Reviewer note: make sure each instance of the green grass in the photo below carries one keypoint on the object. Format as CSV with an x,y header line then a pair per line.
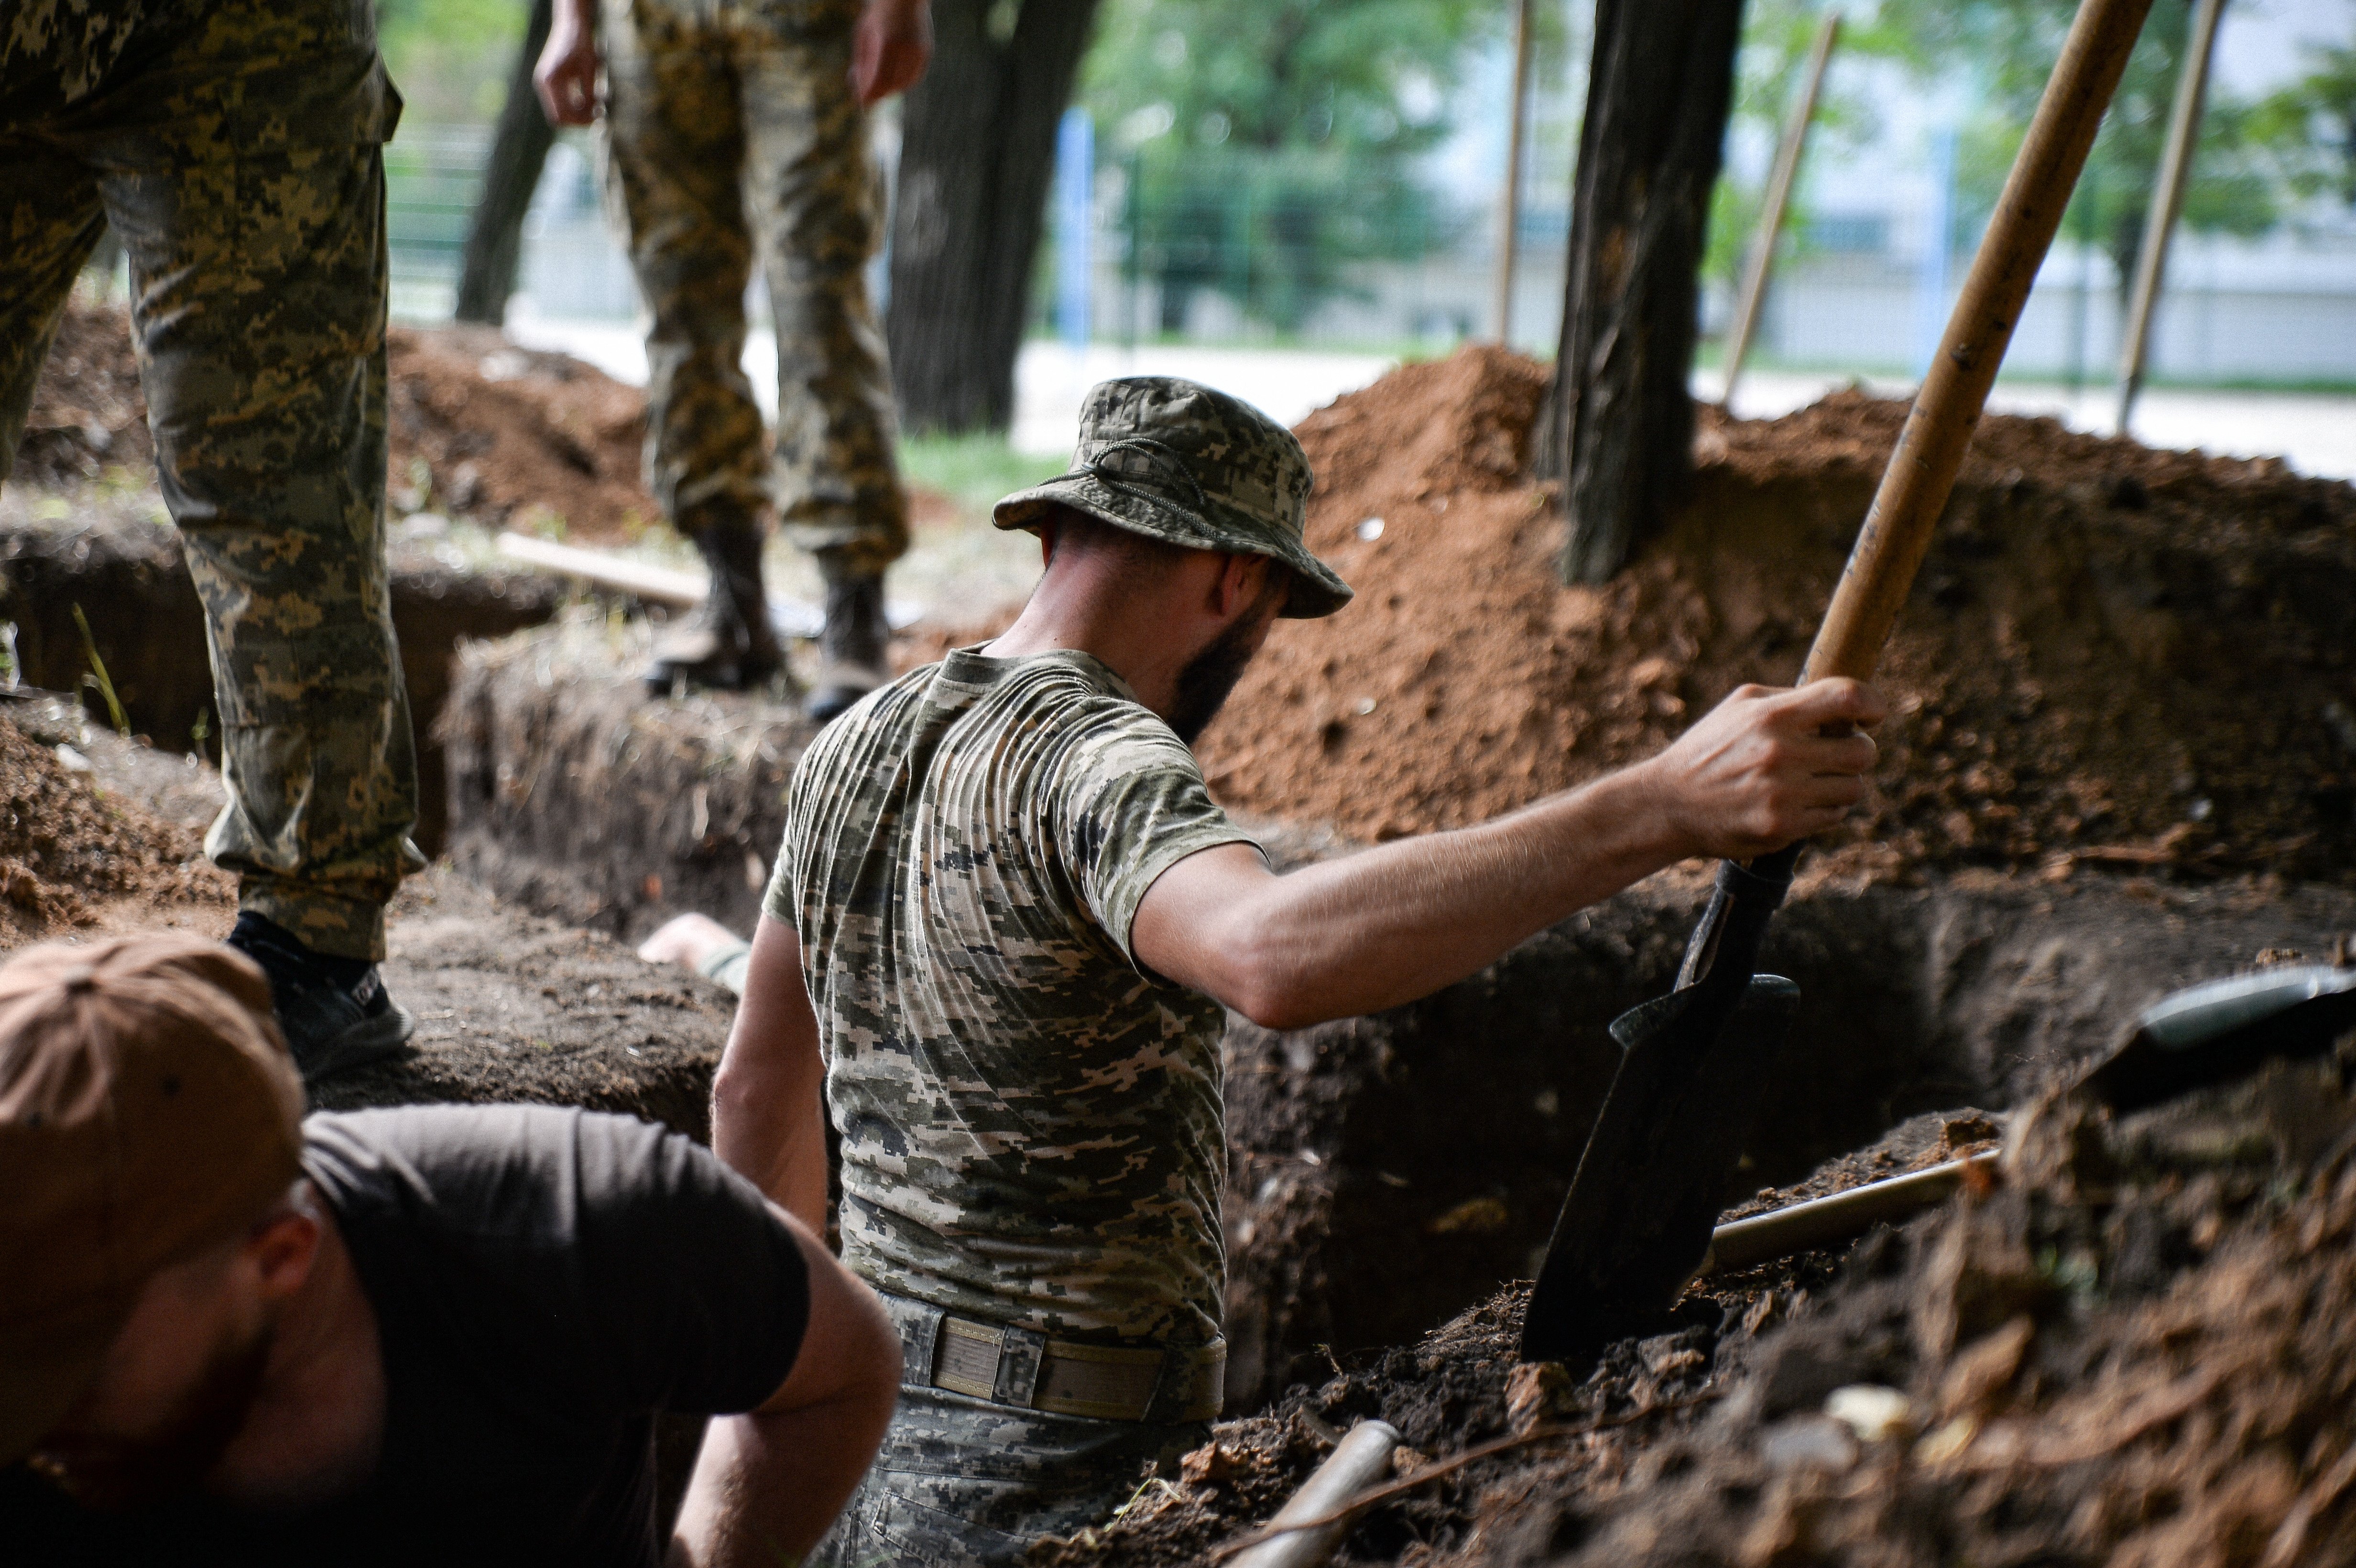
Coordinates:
x,y
974,470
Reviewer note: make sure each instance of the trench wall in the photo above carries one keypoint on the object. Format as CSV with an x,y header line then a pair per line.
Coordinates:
x,y
1388,1171
132,584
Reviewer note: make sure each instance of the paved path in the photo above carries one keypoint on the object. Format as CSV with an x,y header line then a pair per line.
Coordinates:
x,y
2316,434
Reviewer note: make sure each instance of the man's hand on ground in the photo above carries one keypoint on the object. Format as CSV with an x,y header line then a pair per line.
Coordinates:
x,y
566,76
1760,769
889,51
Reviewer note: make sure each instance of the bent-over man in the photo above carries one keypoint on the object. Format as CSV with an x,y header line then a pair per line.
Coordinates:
x,y
1007,918
431,1335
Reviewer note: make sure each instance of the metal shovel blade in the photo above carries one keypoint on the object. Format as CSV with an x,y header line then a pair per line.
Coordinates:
x,y
1636,1223
2225,1030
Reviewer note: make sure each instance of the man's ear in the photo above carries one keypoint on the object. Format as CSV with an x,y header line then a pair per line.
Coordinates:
x,y
1239,582
281,1250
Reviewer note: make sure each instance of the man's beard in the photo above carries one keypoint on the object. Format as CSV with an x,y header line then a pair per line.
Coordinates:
x,y
1210,676
177,1457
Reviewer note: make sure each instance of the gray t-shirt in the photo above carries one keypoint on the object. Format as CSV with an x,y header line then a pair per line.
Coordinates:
x,y
1031,1122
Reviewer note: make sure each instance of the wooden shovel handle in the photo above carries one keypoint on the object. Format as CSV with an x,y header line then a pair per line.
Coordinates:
x,y
1922,472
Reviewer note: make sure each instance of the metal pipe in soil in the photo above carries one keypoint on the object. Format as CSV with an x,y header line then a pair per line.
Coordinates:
x,y
1361,1459
1821,1222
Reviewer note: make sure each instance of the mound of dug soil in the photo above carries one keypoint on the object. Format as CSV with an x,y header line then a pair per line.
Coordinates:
x,y
2137,1344
2112,655
66,848
479,426
511,435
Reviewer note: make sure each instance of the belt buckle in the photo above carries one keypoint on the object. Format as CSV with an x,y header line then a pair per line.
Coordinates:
x,y
968,1360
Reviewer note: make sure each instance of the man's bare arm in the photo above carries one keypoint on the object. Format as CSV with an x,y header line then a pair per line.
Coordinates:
x,y
768,1098
767,1484
1398,921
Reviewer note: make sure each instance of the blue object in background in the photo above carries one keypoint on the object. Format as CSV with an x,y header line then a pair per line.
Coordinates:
x,y
1930,287
1076,172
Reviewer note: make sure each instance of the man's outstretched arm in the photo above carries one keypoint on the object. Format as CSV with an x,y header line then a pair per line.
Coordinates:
x,y
768,1483
1396,922
768,1098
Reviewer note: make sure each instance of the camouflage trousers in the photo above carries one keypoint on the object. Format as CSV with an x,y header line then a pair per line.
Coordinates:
x,y
236,148
731,126
964,1483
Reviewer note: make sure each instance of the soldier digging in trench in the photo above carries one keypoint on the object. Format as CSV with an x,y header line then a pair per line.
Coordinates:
x,y
438,1334
1006,921
731,128
236,148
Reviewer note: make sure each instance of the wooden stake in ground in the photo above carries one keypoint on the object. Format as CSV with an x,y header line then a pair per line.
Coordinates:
x,y
2168,202
1617,431
1779,196
1509,205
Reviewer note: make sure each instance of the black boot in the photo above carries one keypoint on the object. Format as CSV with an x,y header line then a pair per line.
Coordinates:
x,y
333,1011
730,644
851,644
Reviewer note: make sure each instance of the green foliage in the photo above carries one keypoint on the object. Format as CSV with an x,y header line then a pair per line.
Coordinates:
x,y
2309,127
450,58
2007,48
974,470
1271,142
1777,36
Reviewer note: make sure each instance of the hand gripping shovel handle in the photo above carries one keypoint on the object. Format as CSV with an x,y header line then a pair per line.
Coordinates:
x,y
1623,1225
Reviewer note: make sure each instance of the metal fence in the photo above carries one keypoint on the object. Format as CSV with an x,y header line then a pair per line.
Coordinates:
x,y
432,175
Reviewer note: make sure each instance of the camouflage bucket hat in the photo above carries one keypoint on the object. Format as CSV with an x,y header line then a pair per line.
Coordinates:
x,y
1191,466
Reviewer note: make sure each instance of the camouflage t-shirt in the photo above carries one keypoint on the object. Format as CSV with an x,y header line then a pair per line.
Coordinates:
x,y
1031,1122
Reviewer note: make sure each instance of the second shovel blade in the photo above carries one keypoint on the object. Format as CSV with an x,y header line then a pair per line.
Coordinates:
x,y
1636,1221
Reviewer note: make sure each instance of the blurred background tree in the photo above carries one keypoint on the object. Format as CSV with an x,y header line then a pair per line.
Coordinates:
x,y
2006,50
1271,144
2309,127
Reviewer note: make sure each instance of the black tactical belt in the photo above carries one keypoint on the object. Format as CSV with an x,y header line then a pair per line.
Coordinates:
x,y
1160,1384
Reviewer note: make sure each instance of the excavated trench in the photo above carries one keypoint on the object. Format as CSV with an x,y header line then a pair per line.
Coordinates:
x,y
1386,1171
130,582
1389,1171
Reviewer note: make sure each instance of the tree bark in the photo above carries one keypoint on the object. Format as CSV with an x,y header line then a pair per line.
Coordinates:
x,y
519,149
977,153
1617,431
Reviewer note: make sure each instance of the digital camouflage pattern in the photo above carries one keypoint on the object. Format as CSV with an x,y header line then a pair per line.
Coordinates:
x,y
1191,466
1031,1126
962,1483
730,125
236,147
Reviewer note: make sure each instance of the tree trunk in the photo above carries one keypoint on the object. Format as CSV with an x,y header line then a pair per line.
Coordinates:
x,y
977,153
519,149
1617,431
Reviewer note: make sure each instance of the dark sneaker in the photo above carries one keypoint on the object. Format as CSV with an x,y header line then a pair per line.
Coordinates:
x,y
851,642
334,1012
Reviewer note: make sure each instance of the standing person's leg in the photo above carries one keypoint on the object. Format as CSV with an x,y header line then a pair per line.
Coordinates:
x,y
811,189
50,217
675,144
243,169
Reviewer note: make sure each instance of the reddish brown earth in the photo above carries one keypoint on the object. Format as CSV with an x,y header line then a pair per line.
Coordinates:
x,y
2112,655
479,428
72,852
